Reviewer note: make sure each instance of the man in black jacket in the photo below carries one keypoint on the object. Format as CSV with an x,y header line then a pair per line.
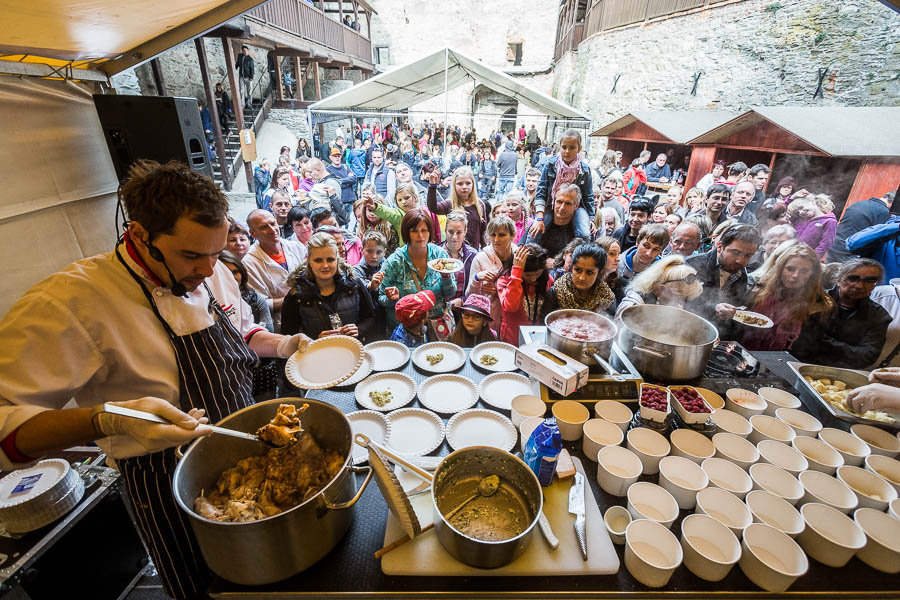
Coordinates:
x,y
639,212
857,217
851,335
723,273
341,173
244,66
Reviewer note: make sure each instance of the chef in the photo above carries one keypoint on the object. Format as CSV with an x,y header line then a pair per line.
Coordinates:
x,y
159,325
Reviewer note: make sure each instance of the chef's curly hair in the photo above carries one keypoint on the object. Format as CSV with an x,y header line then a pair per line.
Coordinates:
x,y
157,195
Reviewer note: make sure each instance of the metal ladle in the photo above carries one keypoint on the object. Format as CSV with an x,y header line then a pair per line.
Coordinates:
x,y
487,487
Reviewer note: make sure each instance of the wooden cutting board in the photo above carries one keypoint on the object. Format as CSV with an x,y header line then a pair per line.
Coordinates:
x,y
425,555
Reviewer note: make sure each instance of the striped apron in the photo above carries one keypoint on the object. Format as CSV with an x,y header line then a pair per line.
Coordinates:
x,y
215,373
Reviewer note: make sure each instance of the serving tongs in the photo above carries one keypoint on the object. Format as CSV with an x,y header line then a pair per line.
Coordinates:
x,y
145,416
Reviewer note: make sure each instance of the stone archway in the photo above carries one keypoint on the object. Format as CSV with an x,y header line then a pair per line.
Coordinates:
x,y
490,109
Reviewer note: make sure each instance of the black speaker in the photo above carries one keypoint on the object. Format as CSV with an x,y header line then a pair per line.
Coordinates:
x,y
160,128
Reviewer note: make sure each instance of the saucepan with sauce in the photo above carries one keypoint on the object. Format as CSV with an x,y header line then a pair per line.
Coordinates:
x,y
583,335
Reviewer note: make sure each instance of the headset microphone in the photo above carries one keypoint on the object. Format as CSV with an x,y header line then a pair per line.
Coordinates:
x,y
178,288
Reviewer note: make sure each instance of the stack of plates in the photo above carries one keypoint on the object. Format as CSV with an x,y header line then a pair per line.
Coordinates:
x,y
37,496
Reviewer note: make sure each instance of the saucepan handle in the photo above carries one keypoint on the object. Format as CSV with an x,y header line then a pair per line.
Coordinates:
x,y
369,472
654,353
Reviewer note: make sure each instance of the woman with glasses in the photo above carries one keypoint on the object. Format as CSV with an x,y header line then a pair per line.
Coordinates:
x,y
668,281
851,334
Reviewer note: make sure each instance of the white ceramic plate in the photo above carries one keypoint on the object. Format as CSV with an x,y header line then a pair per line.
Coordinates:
x,y
448,394
746,313
503,352
387,355
457,265
402,388
415,431
454,357
325,363
372,423
498,389
364,370
481,427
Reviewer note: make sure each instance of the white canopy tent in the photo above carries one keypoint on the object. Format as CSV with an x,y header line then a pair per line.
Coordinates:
x,y
392,93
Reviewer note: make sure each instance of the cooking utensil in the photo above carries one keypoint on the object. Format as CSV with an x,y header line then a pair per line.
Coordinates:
x,y
145,416
666,343
277,547
576,507
487,487
588,352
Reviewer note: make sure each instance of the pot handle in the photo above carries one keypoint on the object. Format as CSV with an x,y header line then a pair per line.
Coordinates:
x,y
369,472
654,353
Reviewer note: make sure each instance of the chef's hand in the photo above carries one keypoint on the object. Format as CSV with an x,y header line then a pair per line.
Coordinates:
x,y
888,375
154,436
875,396
351,330
290,344
392,293
725,311
537,227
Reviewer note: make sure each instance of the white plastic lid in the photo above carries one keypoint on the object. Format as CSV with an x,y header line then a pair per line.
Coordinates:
x,y
24,484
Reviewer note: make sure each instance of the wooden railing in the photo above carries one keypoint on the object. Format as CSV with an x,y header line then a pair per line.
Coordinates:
x,y
568,41
609,14
302,19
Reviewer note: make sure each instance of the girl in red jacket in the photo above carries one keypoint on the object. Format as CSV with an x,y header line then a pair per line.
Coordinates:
x,y
522,291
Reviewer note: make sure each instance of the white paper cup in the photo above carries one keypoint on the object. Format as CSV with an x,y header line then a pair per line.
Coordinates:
x,y
691,445
801,422
614,411
617,519
724,507
775,511
776,480
652,552
819,455
710,549
824,489
770,428
783,456
728,476
879,440
525,406
526,429
682,478
649,501
886,468
570,417
776,398
771,559
649,446
599,433
871,490
882,549
617,469
736,449
830,537
744,402
852,449
730,422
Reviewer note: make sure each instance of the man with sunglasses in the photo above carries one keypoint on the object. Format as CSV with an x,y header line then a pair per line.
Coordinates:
x,y
852,334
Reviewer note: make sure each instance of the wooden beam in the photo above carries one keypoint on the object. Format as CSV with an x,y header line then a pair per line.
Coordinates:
x,y
279,79
213,113
237,101
158,77
8,67
315,65
299,75
771,166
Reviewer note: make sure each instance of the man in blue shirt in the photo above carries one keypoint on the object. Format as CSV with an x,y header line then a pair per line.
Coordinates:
x,y
659,171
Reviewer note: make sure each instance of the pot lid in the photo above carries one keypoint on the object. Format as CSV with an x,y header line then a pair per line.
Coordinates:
x,y
396,499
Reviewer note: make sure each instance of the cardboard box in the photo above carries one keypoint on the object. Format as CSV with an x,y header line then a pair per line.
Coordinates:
x,y
551,367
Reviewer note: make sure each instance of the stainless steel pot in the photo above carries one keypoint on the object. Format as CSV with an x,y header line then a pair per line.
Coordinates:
x,y
456,480
277,547
590,353
666,343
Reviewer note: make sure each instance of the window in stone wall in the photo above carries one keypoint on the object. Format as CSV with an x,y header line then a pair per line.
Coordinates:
x,y
382,55
514,54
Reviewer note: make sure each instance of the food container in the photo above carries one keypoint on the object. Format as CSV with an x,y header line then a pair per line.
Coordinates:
x,y
570,417
617,519
770,428
519,497
852,449
744,402
781,455
819,455
599,433
871,490
777,481
882,549
527,428
35,496
724,507
584,351
771,559
710,549
802,423
886,468
652,552
649,501
558,371
666,343
277,547
683,479
821,488
830,537
775,511
649,446
728,476
617,469
654,414
525,406
736,449
691,418
731,422
776,398
879,441
692,445
615,412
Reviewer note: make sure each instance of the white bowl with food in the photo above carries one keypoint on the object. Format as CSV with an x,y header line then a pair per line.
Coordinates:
x,y
710,549
777,481
773,510
682,478
770,558
615,412
599,433
728,476
830,537
886,467
879,441
617,518
852,449
819,455
691,445
872,490
617,469
649,446
882,549
776,398
736,449
730,422
770,428
801,422
744,402
724,507
649,501
652,552
824,489
781,455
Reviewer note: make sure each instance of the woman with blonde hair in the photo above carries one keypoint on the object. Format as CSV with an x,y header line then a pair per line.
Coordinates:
x,y
608,164
462,194
518,212
814,221
694,202
669,281
787,289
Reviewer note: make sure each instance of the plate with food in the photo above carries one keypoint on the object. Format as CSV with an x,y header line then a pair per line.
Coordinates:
x,y
494,356
752,319
439,357
371,423
481,427
387,355
385,391
325,363
415,431
498,389
446,265
831,386
448,394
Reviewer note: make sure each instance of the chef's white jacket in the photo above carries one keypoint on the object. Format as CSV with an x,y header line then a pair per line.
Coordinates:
x,y
268,277
88,333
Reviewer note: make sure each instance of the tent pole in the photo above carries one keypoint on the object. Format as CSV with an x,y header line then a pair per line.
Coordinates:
x,y
446,99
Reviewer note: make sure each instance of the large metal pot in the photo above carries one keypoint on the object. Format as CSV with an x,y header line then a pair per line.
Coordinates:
x,y
594,352
666,343
277,547
456,480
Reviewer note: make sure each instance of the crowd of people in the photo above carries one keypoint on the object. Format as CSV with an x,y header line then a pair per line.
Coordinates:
x,y
346,231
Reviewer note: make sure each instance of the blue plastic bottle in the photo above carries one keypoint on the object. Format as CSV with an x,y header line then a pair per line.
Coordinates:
x,y
542,450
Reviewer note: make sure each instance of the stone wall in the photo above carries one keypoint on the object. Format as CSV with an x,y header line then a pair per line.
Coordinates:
x,y
755,52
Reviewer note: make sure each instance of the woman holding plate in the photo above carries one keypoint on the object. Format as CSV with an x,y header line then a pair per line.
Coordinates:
x,y
456,246
495,258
